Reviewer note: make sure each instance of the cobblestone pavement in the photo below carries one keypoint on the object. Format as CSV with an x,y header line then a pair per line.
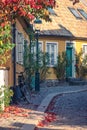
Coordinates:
x,y
70,111
15,122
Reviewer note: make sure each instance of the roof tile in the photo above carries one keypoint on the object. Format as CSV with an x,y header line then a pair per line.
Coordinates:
x,y
65,23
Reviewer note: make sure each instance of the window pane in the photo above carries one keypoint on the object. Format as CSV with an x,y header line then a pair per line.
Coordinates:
x,y
19,48
83,13
52,59
52,12
49,53
75,13
52,52
33,51
85,49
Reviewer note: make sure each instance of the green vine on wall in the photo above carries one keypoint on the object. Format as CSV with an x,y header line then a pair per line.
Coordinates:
x,y
5,43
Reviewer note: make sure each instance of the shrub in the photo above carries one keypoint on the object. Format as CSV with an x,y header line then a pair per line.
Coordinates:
x,y
81,65
8,93
60,67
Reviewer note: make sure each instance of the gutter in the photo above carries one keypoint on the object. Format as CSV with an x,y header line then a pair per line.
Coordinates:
x,y
65,37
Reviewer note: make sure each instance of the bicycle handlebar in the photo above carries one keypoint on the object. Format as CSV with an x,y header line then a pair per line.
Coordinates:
x,y
19,72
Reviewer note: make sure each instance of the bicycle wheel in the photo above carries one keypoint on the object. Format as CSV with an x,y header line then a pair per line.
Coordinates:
x,y
27,93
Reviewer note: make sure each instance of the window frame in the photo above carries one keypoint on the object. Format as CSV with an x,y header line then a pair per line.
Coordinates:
x,y
33,50
83,49
83,13
75,13
56,43
34,47
51,11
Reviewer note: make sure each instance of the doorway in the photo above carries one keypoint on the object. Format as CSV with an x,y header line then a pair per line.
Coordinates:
x,y
69,58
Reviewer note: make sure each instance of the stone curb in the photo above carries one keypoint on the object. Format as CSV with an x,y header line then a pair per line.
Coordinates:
x,y
39,114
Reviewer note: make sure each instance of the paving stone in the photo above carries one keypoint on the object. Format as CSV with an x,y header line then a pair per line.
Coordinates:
x,y
17,123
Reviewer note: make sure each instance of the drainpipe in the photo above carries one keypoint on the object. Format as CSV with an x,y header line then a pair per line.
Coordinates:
x,y
14,54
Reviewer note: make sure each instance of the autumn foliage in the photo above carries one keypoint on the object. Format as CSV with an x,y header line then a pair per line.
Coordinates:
x,y
10,9
14,111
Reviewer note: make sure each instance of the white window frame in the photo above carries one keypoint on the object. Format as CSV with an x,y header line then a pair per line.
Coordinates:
x,y
83,49
56,55
34,48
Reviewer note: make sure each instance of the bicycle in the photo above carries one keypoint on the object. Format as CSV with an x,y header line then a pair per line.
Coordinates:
x,y
24,86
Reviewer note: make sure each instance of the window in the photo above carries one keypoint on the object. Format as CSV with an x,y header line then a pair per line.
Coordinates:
x,y
19,47
33,47
84,50
51,11
75,13
83,13
52,53
33,51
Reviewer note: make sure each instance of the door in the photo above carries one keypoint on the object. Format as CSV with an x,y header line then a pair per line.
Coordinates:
x,y
69,58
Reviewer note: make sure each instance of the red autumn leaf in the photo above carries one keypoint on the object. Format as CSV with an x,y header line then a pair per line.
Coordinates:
x,y
40,124
5,115
25,115
50,117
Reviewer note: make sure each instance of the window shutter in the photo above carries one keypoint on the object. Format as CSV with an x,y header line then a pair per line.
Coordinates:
x,y
19,47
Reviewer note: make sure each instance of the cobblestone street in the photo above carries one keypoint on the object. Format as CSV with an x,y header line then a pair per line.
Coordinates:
x,y
71,112
70,108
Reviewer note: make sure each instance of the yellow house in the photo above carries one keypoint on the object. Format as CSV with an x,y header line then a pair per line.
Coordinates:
x,y
67,32
14,65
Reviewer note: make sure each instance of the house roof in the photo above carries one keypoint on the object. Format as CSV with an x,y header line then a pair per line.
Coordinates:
x,y
64,23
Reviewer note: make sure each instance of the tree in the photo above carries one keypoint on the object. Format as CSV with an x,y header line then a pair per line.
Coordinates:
x,y
10,9
30,63
5,43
